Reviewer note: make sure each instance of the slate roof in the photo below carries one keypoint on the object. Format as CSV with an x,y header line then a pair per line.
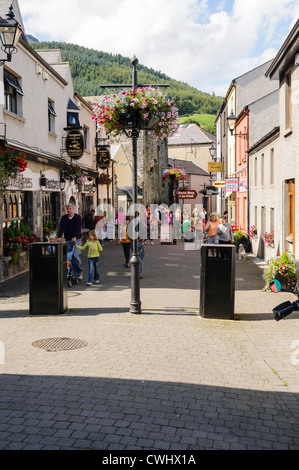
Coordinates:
x,y
190,167
191,133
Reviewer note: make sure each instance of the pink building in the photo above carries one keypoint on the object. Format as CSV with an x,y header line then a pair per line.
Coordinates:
x,y
242,145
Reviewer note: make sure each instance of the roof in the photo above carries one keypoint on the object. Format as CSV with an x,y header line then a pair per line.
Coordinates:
x,y
191,134
190,168
265,140
284,57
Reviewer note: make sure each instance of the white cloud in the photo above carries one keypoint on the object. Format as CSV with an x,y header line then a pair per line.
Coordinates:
x,y
192,41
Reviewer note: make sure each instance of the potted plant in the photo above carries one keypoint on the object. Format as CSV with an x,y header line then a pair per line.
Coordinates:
x,y
74,173
269,238
104,178
282,268
11,163
144,108
252,232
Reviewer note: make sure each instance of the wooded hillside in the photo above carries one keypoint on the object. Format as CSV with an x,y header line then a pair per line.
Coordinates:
x,y
91,68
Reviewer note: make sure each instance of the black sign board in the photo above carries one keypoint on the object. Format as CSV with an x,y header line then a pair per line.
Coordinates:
x,y
103,158
75,144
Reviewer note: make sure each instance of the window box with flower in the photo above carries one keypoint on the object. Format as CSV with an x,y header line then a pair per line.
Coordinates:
x,y
144,108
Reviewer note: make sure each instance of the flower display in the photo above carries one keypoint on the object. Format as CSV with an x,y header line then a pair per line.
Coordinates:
x,y
149,103
252,232
269,238
16,240
178,174
103,178
283,267
74,173
11,163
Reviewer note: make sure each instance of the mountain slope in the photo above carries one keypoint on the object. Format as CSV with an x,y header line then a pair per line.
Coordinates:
x,y
91,68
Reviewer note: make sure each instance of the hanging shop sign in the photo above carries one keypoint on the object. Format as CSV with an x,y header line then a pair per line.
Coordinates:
x,y
75,144
212,192
188,194
103,158
215,167
243,185
219,184
232,184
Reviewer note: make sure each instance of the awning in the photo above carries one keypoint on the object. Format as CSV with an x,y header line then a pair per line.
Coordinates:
x,y
12,81
51,109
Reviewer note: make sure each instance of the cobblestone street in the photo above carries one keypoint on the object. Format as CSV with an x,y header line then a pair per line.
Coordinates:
x,y
165,379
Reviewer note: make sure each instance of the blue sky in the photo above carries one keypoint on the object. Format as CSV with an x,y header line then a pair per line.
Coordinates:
x,y
205,43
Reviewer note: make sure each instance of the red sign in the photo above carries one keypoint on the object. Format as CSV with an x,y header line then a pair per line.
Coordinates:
x,y
189,194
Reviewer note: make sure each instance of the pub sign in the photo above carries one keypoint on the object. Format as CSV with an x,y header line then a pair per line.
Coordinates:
x,y
75,144
103,158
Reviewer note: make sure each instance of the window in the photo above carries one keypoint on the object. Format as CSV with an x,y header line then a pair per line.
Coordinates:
x,y
255,171
51,116
15,206
288,101
291,208
13,93
271,219
86,137
262,169
271,166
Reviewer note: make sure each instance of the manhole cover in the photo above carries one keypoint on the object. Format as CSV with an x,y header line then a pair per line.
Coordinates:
x,y
59,344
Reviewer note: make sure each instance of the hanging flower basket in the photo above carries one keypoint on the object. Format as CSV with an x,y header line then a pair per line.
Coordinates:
x,y
103,178
75,174
177,174
143,108
11,163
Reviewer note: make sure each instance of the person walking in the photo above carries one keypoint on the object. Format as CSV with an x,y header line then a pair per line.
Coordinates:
x,y
211,228
225,233
125,241
94,248
71,227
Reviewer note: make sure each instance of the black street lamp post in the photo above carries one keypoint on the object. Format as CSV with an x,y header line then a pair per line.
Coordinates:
x,y
10,32
132,130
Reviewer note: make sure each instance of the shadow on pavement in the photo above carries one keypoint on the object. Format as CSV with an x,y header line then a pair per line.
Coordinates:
x,y
77,412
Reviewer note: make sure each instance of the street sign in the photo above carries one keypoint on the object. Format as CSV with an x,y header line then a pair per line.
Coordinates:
x,y
188,194
75,144
215,167
103,158
219,184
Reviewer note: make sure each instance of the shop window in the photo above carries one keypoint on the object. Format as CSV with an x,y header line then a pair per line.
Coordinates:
x,y
13,93
15,206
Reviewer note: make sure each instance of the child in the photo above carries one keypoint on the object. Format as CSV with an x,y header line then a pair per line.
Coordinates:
x,y
94,247
51,249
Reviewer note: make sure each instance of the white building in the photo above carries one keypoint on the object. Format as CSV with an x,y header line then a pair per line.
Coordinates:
x,y
274,159
37,100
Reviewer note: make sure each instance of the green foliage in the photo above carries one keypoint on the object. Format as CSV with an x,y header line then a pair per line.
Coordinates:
x,y
238,235
91,68
205,121
283,265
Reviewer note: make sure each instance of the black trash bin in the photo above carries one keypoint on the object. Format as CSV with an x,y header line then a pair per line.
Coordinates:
x,y
217,281
48,279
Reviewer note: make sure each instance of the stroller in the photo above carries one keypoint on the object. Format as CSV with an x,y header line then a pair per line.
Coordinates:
x,y
70,277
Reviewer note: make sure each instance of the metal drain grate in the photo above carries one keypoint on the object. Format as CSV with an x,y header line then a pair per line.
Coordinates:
x,y
59,344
